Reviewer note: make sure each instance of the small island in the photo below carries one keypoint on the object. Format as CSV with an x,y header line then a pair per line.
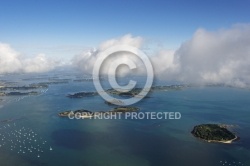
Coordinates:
x,y
18,93
82,94
125,93
214,133
66,113
124,109
88,114
29,87
135,92
114,102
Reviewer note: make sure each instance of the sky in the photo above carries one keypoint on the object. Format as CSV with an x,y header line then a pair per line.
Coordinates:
x,y
63,28
198,42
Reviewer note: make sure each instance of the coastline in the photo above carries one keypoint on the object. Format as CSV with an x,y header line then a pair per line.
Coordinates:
x,y
224,142
214,133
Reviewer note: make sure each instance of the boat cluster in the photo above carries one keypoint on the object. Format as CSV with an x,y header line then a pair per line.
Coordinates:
x,y
22,140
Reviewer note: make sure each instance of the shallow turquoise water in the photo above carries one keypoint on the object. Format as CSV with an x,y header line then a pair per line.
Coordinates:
x,y
131,142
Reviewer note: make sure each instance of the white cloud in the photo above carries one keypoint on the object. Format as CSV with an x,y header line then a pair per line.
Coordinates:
x,y
86,60
222,57
216,57
164,64
9,59
12,62
208,57
126,39
38,64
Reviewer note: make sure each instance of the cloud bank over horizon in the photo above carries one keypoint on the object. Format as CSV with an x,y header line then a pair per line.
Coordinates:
x,y
216,57
219,57
12,61
87,59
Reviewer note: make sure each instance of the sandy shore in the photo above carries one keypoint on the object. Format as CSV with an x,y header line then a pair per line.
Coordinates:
x,y
225,142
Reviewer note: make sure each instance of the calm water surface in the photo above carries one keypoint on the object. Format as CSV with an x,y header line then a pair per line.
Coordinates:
x,y
128,142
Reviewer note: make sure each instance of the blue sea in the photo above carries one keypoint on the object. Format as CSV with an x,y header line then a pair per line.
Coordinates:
x,y
120,142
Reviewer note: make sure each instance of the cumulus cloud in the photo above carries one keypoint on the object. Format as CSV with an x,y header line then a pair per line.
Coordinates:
x,y
86,60
164,64
12,62
216,57
9,59
220,57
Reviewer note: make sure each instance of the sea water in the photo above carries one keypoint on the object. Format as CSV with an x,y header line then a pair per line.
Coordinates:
x,y
125,142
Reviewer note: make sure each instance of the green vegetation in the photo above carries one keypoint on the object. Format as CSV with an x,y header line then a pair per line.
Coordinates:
x,y
18,93
125,109
213,133
114,102
82,94
123,93
30,87
90,113
66,113
131,93
167,87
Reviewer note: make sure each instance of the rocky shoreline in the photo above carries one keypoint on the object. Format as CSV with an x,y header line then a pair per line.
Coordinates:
x,y
214,133
89,114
